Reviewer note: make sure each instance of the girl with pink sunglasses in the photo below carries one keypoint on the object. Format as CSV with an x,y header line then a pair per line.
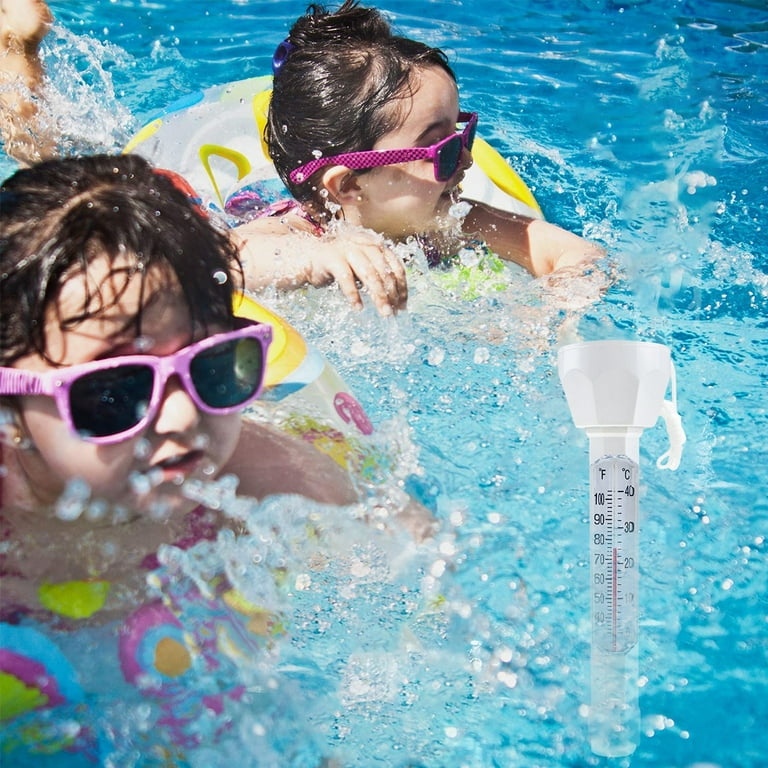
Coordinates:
x,y
123,371
123,377
365,127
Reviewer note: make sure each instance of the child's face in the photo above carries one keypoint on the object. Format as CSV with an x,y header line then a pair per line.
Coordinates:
x,y
406,199
180,442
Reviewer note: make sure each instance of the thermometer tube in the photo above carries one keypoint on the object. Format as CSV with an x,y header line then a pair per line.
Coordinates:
x,y
613,532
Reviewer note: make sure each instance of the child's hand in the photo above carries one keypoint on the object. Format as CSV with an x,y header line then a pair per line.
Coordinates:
x,y
361,261
355,259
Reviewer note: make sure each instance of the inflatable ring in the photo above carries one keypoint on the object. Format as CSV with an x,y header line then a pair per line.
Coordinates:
x,y
214,138
34,673
305,396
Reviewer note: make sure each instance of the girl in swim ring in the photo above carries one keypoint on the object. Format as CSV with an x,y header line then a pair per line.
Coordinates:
x,y
123,375
366,127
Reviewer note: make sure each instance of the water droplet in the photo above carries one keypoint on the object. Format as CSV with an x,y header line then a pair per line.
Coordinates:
x,y
435,356
74,501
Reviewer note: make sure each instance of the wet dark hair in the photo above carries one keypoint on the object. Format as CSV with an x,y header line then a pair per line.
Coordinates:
x,y
59,215
335,89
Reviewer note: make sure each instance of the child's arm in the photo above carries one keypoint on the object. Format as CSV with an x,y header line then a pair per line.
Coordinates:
x,y
286,253
23,24
268,462
538,246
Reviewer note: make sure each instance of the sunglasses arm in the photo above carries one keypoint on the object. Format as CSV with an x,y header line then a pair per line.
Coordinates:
x,y
16,382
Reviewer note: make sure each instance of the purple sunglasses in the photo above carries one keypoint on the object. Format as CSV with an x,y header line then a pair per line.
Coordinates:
x,y
111,400
445,155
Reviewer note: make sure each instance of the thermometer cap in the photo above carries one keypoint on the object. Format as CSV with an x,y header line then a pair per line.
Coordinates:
x,y
614,383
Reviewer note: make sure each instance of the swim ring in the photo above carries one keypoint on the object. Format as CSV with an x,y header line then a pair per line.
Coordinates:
x,y
304,395
214,139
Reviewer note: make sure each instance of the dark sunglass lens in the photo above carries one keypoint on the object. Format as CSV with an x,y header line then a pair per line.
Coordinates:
x,y
471,135
111,401
229,373
448,158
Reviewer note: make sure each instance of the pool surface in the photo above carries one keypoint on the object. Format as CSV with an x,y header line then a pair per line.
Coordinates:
x,y
643,125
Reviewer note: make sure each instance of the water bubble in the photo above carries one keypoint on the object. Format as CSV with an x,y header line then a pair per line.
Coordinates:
x,y
507,678
120,515
160,510
470,257
435,356
437,569
214,495
74,501
303,582
142,449
698,180
140,483
143,343
460,209
97,510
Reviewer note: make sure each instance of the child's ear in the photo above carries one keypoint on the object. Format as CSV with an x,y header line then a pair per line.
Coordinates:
x,y
342,184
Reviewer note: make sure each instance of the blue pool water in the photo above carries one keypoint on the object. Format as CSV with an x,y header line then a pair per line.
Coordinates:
x,y
644,125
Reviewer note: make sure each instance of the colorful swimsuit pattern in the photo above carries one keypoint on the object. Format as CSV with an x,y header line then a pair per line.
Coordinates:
x,y
176,658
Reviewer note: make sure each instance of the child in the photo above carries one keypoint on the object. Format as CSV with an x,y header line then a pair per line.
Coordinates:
x,y
344,85
123,377
362,127
124,373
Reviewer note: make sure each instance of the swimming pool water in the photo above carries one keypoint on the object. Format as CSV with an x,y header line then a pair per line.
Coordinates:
x,y
643,125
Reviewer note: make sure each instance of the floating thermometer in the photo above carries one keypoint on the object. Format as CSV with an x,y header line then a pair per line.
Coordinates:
x,y
615,389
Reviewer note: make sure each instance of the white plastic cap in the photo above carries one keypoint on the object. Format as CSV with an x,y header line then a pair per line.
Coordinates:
x,y
614,383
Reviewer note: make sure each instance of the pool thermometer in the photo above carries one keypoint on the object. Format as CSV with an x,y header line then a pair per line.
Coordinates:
x,y
615,389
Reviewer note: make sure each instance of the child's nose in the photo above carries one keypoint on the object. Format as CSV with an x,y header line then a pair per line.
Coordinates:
x,y
177,412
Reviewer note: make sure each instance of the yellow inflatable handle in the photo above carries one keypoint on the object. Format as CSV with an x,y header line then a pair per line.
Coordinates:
x,y
287,350
238,159
260,113
501,173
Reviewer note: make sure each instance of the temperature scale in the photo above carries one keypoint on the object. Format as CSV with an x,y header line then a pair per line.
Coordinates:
x,y
613,553
615,389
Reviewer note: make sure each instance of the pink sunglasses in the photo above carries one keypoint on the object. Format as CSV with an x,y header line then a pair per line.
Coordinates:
x,y
445,155
111,400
